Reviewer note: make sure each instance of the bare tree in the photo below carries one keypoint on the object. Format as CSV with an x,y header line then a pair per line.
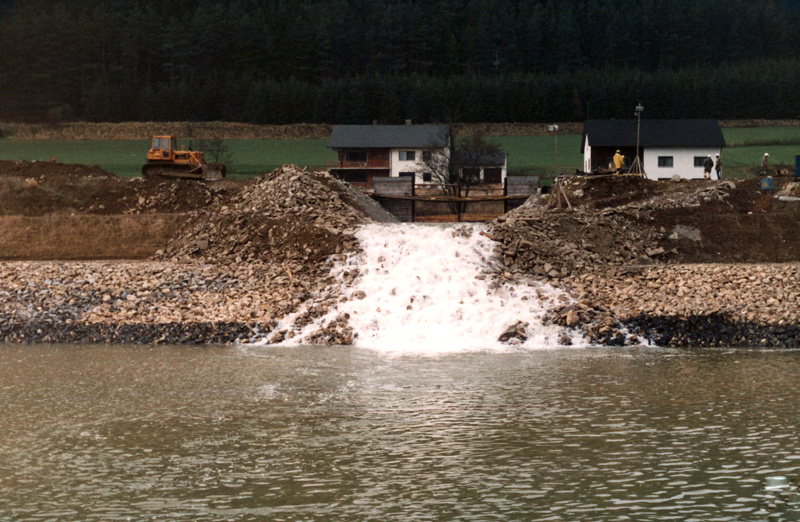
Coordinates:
x,y
457,172
216,152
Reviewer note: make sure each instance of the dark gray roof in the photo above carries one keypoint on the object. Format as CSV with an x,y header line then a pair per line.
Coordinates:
x,y
654,133
463,158
389,136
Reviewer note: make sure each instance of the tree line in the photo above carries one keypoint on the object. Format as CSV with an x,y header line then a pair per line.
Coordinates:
x,y
355,61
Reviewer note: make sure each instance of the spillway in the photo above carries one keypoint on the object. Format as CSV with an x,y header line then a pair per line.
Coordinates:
x,y
430,289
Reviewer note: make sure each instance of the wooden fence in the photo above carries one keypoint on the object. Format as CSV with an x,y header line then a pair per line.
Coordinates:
x,y
409,202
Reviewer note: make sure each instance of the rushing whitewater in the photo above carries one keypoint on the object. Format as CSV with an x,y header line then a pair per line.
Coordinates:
x,y
429,289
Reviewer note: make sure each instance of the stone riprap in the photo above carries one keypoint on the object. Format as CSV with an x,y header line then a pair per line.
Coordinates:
x,y
615,255
163,302
242,262
147,302
751,305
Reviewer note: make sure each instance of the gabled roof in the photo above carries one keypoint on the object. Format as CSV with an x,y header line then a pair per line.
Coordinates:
x,y
653,133
389,136
465,158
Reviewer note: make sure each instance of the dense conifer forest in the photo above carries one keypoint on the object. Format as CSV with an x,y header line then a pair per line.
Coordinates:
x,y
355,61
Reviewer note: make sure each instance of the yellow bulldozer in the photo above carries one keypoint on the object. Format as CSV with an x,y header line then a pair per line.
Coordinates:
x,y
164,160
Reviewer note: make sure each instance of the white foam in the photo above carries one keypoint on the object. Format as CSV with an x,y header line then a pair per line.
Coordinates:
x,y
426,290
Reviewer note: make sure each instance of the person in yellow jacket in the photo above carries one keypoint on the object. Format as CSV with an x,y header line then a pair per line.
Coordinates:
x,y
619,163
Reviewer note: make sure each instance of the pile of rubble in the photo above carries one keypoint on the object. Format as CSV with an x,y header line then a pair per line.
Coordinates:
x,y
617,251
540,238
250,256
290,224
556,246
288,216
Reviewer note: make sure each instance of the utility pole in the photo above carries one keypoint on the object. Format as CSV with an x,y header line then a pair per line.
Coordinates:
x,y
554,129
636,166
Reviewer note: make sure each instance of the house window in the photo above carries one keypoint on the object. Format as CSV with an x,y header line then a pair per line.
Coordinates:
x,y
356,156
665,161
406,174
699,161
427,177
426,156
472,174
407,155
358,176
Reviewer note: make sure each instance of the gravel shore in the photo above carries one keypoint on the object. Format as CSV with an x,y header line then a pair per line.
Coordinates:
x,y
146,302
743,305
159,302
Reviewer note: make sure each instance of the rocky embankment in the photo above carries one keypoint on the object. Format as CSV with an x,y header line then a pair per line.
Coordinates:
x,y
633,254
142,302
243,259
624,252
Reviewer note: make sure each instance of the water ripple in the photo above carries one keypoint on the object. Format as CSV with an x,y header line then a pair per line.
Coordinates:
x,y
119,433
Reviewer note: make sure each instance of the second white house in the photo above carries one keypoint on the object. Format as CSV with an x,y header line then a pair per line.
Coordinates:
x,y
667,148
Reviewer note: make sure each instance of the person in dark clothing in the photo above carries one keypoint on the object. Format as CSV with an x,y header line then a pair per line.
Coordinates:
x,y
707,167
718,168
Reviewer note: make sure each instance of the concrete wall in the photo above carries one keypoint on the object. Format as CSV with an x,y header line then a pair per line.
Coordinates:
x,y
391,188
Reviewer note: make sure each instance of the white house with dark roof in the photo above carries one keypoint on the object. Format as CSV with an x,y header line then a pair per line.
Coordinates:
x,y
666,147
369,151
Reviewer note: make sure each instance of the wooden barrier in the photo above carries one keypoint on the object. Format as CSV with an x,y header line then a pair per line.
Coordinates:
x,y
520,188
399,197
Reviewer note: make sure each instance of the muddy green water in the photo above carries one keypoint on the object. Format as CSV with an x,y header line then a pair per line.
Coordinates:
x,y
306,434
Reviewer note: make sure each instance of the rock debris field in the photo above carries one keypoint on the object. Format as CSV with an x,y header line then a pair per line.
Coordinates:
x,y
674,263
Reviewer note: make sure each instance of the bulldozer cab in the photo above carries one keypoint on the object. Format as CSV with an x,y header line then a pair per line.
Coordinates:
x,y
163,147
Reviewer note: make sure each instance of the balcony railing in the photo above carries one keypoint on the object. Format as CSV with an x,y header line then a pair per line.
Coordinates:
x,y
377,163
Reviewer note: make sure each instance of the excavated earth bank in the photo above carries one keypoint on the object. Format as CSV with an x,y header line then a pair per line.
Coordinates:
x,y
676,263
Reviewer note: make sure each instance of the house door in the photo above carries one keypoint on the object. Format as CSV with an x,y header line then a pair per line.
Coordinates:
x,y
494,175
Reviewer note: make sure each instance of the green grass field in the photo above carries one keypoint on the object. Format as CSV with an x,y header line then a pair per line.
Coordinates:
x,y
125,158
532,154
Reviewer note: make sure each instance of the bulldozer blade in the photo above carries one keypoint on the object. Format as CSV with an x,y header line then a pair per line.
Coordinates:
x,y
215,172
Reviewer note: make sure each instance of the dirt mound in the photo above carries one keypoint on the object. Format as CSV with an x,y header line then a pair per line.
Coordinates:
x,y
42,188
618,221
610,191
288,214
67,237
50,169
